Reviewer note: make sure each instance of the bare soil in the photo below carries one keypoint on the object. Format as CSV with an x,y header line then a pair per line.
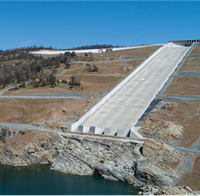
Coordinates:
x,y
191,178
28,111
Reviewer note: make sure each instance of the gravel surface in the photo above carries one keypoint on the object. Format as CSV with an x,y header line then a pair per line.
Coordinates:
x,y
196,146
194,55
66,95
134,57
56,95
186,149
188,163
22,126
174,97
188,74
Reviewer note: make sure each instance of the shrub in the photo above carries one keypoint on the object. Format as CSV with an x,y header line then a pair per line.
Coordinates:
x,y
4,132
22,132
29,152
9,133
101,161
42,145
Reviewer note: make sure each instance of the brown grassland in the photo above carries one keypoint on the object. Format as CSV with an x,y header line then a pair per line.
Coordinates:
x,y
196,50
116,55
184,85
39,110
107,67
90,84
187,114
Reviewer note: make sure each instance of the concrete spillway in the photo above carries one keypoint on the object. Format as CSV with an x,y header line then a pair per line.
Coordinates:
x,y
127,105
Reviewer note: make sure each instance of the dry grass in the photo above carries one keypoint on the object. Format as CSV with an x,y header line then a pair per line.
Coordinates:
x,y
187,115
38,110
173,165
184,85
89,83
19,141
196,50
191,64
116,55
107,67
95,83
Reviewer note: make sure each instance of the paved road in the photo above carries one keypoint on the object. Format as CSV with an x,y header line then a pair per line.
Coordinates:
x,y
132,58
175,97
56,95
188,74
125,107
22,126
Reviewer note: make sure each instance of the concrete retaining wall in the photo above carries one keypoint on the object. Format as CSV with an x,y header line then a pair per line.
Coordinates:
x,y
73,126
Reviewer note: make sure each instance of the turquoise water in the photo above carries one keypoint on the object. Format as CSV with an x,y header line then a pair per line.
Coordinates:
x,y
40,180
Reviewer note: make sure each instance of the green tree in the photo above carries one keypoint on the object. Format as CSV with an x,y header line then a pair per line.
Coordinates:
x,y
67,65
72,81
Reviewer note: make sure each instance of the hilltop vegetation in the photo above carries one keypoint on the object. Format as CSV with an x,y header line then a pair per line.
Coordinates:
x,y
18,66
96,46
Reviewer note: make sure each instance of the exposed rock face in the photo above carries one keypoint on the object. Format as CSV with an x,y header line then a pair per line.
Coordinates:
x,y
75,154
161,130
167,190
31,147
160,151
151,172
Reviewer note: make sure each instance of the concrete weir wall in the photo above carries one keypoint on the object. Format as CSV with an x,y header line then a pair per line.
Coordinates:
x,y
75,125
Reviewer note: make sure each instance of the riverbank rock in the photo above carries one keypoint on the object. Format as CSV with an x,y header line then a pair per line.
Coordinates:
x,y
167,190
83,155
151,172
160,151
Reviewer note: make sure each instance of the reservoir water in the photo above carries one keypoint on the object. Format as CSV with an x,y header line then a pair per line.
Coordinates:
x,y
40,180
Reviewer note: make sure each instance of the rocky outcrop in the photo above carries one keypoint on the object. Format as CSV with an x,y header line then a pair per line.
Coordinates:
x,y
83,155
7,132
160,151
161,130
167,190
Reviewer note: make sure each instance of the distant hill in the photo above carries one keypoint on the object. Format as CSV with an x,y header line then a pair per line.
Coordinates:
x,y
96,46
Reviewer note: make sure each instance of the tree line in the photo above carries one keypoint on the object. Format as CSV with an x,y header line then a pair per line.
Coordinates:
x,y
96,46
30,69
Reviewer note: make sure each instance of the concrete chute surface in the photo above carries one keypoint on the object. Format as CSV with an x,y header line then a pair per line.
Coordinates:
x,y
124,108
